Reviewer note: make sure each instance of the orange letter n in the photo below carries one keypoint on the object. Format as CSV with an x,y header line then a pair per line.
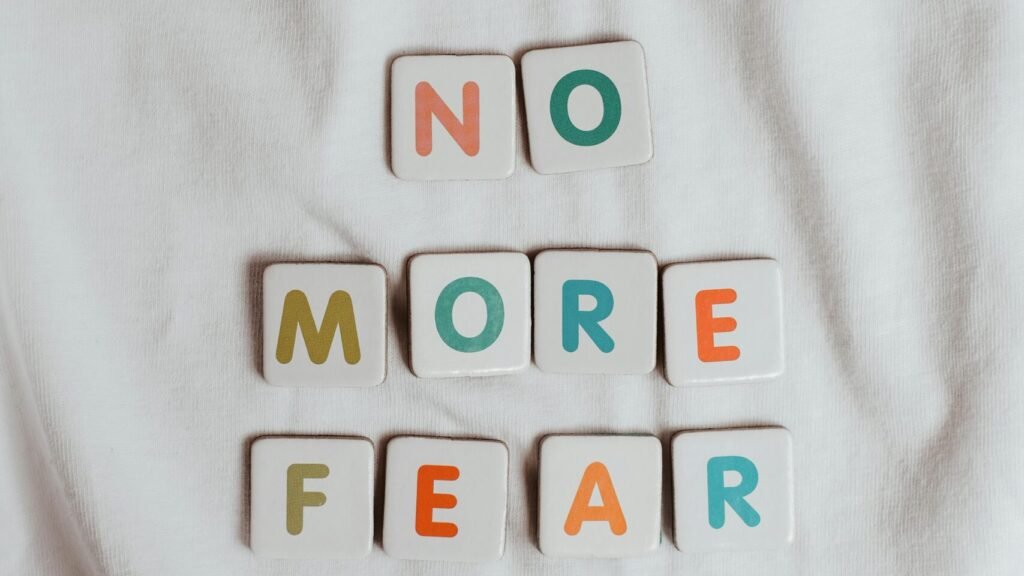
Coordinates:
x,y
427,500
708,324
465,133
596,475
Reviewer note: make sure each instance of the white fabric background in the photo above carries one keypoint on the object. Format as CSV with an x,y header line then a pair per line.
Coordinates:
x,y
155,156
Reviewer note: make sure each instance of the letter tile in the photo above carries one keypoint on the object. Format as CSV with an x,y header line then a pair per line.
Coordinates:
x,y
595,312
733,489
723,322
324,324
469,314
311,497
586,107
600,496
453,117
445,499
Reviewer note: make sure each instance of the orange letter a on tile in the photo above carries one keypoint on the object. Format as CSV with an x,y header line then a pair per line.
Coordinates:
x,y
595,476
465,133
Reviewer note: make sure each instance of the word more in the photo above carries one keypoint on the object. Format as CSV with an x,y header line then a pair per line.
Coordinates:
x,y
586,108
481,314
446,499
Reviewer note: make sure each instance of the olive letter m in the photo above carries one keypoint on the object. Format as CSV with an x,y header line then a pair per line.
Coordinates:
x,y
298,316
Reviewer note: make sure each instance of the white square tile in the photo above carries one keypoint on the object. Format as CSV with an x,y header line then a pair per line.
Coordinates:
x,y
453,117
324,324
586,107
723,322
733,489
595,312
445,499
311,497
600,496
469,314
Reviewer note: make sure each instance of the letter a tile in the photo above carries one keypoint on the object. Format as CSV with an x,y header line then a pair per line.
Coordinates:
x,y
600,496
324,324
586,107
453,117
723,322
733,489
311,497
445,499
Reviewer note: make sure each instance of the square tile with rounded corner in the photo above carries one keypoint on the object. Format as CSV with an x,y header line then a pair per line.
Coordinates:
x,y
600,496
587,107
469,314
723,322
324,324
733,489
445,499
311,497
595,311
453,117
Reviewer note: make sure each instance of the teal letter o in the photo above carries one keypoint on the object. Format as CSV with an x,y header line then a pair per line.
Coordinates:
x,y
560,107
446,303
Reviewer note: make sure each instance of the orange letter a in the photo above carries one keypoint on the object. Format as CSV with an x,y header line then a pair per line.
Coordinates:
x,y
708,324
596,475
465,133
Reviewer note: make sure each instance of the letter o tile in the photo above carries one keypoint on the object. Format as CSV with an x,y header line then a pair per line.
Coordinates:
x,y
586,107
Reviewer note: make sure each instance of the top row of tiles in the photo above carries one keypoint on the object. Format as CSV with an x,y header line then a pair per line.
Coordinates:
x,y
586,107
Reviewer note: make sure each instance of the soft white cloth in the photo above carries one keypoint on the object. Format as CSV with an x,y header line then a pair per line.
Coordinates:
x,y
155,156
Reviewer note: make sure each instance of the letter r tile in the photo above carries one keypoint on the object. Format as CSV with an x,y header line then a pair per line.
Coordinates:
x,y
311,497
324,324
733,489
595,311
445,499
723,322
